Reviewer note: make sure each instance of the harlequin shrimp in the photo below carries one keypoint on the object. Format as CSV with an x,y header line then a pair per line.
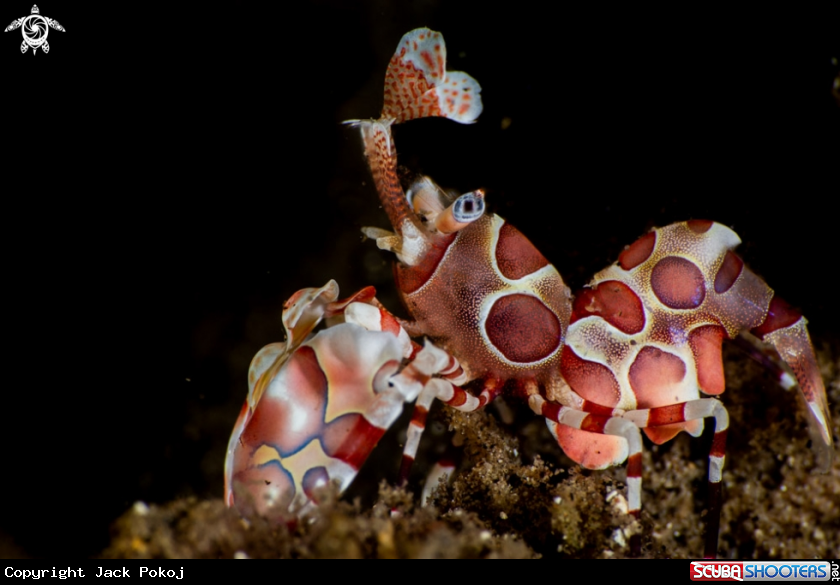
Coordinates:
x,y
632,352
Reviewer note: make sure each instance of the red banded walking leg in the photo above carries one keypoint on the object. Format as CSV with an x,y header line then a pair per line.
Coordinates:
x,y
617,424
440,388
694,410
604,425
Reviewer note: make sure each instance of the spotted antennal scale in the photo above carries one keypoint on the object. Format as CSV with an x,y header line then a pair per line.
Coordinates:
x,y
417,84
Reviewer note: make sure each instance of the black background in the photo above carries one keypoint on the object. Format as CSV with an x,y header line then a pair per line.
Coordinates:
x,y
172,173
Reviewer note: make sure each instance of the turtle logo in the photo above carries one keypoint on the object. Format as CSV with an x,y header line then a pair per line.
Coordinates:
x,y
35,29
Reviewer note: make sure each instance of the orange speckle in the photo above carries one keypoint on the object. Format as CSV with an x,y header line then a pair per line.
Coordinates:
x,y
437,47
422,37
427,58
464,108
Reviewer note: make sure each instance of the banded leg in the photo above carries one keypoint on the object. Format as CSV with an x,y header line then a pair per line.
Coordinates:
x,y
604,425
446,390
442,389
694,410
426,361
